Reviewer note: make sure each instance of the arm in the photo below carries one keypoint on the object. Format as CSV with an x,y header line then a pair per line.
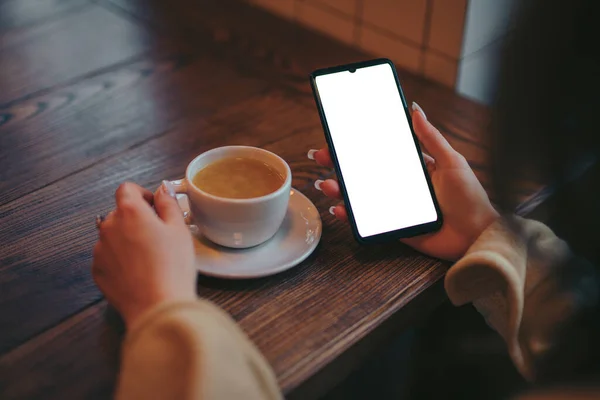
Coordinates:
x,y
527,284
192,350
177,347
532,290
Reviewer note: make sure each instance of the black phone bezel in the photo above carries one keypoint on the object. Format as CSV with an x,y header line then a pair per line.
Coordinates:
x,y
386,236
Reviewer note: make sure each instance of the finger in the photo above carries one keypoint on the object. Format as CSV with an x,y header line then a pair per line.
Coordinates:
x,y
429,162
417,241
330,188
433,141
97,259
427,158
322,157
132,198
109,216
412,242
339,212
107,226
97,250
128,189
166,205
99,272
96,269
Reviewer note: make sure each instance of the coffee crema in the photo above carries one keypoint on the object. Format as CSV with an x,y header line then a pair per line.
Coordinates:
x,y
238,178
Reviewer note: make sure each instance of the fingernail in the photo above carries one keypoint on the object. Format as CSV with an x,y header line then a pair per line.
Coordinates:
x,y
311,154
318,183
332,210
417,107
99,220
168,188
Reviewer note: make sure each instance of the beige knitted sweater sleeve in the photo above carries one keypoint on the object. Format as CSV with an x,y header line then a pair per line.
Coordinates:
x,y
192,351
513,276
529,287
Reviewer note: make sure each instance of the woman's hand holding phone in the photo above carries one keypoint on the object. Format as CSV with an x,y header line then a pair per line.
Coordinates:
x,y
465,204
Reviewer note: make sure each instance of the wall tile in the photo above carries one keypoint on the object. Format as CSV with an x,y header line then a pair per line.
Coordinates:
x,y
404,18
447,26
332,24
478,74
440,69
345,6
284,8
380,45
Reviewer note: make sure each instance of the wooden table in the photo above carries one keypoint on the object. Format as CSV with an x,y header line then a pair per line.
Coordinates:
x,y
93,93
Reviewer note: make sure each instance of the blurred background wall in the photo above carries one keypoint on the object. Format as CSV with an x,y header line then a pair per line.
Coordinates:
x,y
454,42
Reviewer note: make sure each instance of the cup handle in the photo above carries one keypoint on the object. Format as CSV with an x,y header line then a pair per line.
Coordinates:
x,y
180,187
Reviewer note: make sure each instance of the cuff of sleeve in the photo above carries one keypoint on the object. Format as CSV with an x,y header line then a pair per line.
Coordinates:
x,y
478,275
492,276
496,261
154,314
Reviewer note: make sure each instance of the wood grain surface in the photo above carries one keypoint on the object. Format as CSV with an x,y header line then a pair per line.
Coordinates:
x,y
96,93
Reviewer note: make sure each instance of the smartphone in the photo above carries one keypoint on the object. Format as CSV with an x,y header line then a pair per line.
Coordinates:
x,y
381,171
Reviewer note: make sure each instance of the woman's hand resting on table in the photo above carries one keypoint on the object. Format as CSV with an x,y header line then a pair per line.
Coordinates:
x,y
144,256
465,205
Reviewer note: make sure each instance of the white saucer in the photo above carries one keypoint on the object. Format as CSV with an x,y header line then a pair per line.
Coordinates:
x,y
297,238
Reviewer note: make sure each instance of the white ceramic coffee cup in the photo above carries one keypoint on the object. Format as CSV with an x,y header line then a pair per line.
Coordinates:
x,y
236,223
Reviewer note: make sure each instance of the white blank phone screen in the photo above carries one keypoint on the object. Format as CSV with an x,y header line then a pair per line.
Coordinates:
x,y
376,152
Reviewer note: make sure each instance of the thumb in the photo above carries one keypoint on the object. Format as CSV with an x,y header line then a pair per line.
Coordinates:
x,y
433,141
166,205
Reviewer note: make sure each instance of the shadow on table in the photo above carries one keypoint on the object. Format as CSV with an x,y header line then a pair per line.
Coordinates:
x,y
454,355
